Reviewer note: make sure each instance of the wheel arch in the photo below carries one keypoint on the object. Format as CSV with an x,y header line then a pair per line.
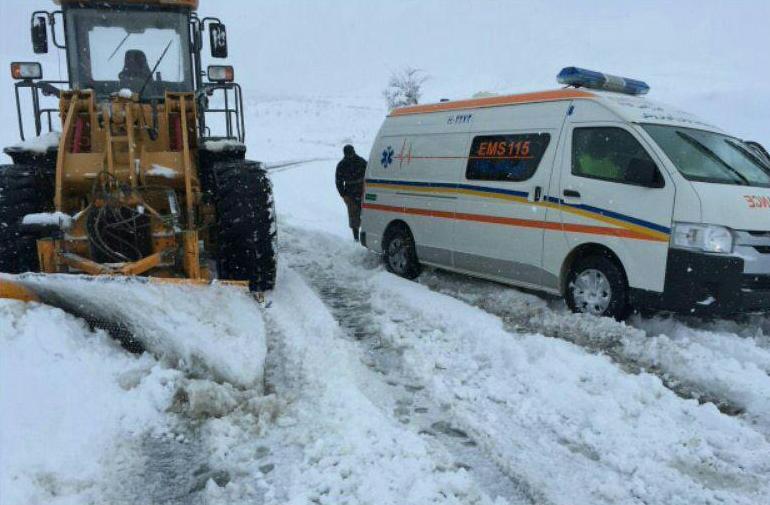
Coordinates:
x,y
584,251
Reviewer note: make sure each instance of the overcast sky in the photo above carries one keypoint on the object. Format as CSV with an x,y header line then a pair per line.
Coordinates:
x,y
710,57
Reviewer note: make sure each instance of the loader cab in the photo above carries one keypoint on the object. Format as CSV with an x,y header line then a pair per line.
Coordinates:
x,y
146,51
137,49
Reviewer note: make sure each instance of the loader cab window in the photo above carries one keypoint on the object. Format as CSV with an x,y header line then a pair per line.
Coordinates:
x,y
119,48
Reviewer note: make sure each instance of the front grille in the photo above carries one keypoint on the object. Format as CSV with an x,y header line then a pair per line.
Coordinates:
x,y
760,234
756,282
762,249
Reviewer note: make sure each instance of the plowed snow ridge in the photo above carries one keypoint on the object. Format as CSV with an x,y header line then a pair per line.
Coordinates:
x,y
215,332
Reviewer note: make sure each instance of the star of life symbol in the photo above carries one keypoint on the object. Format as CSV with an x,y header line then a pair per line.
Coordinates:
x,y
387,157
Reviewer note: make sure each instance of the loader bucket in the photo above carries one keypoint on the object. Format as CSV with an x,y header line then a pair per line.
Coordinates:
x,y
23,289
13,290
59,291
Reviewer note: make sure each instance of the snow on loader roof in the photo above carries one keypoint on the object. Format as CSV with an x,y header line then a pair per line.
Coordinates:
x,y
193,4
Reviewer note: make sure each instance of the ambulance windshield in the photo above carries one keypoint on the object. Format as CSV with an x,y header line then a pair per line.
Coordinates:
x,y
711,157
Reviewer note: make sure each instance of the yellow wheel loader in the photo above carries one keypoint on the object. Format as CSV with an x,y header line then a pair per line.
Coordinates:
x,y
132,182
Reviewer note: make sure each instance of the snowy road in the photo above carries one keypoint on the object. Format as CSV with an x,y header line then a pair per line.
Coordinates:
x,y
564,424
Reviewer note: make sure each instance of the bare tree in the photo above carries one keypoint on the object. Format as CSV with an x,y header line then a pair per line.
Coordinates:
x,y
405,87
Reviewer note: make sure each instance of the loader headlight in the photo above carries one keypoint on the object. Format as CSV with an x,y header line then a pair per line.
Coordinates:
x,y
221,73
26,71
702,237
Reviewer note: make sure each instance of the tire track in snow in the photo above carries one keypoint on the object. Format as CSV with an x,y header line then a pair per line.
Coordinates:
x,y
352,449
721,475
399,393
732,375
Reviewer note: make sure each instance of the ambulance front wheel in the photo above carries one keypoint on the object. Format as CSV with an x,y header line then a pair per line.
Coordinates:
x,y
400,252
598,286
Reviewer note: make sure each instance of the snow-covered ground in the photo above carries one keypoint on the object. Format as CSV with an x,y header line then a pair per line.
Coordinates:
x,y
352,386
70,401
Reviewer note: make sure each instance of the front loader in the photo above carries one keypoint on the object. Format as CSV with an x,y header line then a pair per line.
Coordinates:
x,y
130,181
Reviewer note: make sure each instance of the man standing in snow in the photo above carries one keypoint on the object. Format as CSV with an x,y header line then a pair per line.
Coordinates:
x,y
350,185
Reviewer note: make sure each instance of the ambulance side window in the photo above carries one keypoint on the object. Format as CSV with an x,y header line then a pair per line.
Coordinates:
x,y
610,154
512,158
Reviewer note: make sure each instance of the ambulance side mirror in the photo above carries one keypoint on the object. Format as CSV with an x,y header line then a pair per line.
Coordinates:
x,y
644,172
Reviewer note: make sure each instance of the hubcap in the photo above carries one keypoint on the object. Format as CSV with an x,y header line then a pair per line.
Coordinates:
x,y
397,255
592,292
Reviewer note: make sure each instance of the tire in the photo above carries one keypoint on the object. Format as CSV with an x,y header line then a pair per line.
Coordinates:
x,y
400,253
597,285
19,195
246,226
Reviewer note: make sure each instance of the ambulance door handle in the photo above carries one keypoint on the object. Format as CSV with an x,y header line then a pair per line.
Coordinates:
x,y
571,193
538,193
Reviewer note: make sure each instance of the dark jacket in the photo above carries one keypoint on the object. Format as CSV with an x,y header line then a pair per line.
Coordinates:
x,y
350,176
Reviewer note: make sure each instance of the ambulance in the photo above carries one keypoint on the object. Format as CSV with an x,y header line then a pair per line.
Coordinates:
x,y
591,192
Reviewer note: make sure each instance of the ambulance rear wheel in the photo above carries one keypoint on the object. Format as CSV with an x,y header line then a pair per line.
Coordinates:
x,y
400,253
598,286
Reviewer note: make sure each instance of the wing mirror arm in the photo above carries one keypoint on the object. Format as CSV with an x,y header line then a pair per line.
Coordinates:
x,y
49,89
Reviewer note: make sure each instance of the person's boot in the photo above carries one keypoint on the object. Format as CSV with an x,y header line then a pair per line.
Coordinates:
x,y
356,236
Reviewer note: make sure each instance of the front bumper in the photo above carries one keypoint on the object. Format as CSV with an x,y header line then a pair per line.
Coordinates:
x,y
707,284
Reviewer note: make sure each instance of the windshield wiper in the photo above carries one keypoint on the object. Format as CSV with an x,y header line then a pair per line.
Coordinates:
x,y
119,46
748,153
152,72
713,156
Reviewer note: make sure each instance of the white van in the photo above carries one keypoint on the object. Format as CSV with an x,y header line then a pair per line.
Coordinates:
x,y
591,192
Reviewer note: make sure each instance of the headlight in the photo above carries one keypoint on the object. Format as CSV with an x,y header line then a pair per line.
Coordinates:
x,y
702,237
26,71
221,73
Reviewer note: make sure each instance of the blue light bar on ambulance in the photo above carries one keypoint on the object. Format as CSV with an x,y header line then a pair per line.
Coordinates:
x,y
582,78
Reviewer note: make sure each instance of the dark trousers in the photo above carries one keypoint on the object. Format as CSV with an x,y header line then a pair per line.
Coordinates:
x,y
354,211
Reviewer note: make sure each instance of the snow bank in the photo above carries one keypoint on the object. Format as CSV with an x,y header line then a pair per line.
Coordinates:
x,y
215,331
68,399
160,171
573,424
732,367
716,365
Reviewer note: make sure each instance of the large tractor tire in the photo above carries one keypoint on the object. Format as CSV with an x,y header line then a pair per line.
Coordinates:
x,y
246,224
20,194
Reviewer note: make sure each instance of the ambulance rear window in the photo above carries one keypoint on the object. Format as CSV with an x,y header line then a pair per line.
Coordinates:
x,y
511,158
